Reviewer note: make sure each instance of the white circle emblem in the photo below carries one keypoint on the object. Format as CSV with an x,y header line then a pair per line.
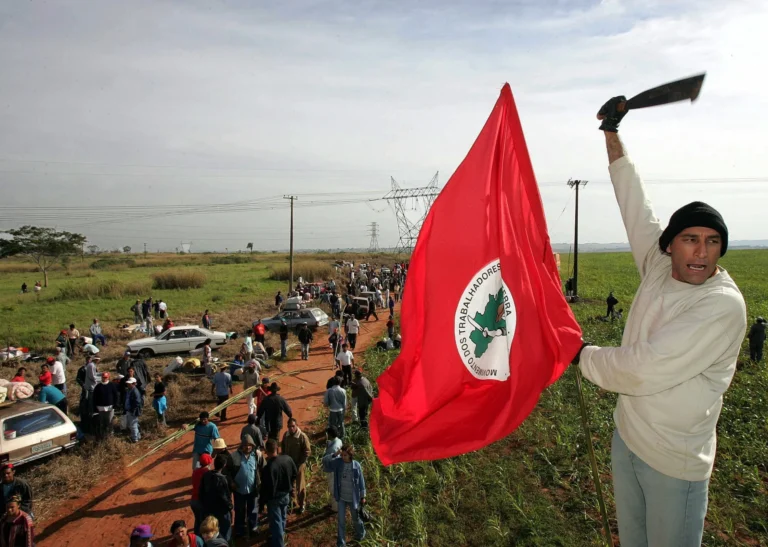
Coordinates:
x,y
485,324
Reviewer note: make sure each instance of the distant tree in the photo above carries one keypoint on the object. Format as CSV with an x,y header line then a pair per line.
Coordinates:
x,y
93,249
43,245
127,249
66,260
249,247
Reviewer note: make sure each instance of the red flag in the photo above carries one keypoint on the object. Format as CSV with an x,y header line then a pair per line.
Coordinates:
x,y
485,325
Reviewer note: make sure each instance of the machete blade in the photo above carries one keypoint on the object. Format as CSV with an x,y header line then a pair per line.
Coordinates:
x,y
681,90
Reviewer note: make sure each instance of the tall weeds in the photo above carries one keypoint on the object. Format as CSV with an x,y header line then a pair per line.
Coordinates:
x,y
178,280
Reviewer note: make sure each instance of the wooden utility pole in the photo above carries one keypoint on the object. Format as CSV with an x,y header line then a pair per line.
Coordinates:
x,y
575,184
290,268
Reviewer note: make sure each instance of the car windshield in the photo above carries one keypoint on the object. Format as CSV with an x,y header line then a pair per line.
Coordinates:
x,y
317,313
26,424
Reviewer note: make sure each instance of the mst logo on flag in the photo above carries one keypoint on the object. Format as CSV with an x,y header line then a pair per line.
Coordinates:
x,y
485,324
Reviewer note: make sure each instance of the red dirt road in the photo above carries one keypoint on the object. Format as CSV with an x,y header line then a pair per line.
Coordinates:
x,y
156,491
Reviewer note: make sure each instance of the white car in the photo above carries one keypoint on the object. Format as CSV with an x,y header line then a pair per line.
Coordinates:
x,y
33,430
179,339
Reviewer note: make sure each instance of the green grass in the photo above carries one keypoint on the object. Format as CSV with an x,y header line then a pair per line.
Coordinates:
x,y
535,486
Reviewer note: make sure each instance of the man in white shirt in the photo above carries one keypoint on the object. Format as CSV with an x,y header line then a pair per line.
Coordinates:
x,y
163,307
58,376
346,360
677,358
353,327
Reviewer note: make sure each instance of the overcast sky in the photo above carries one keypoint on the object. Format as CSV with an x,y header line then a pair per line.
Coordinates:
x,y
107,105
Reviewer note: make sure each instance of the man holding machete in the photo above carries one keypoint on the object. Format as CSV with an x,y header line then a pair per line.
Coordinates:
x,y
677,357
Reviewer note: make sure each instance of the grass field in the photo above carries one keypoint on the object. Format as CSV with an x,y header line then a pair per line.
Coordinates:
x,y
531,488
535,486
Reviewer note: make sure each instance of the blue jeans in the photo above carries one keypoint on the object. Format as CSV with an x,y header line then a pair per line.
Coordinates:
x,y
342,528
653,508
99,338
305,351
283,349
277,509
244,507
133,427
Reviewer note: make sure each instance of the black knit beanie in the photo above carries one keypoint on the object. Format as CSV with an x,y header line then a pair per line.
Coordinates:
x,y
695,213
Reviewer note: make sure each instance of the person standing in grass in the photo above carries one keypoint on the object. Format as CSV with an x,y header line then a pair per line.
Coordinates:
x,y
136,309
757,340
283,339
206,320
162,307
207,358
332,446
73,335
346,360
348,490
58,375
278,300
335,399
159,401
105,398
677,357
205,433
96,333
296,445
363,392
222,389
133,407
247,348
391,326
259,330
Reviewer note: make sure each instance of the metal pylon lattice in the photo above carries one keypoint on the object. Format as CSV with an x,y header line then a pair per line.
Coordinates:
x,y
374,245
403,200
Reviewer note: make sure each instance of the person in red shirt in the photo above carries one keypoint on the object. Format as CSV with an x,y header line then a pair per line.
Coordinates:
x,y
197,477
20,375
258,331
45,373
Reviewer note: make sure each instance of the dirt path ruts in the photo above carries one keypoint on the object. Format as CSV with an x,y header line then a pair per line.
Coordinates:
x,y
156,491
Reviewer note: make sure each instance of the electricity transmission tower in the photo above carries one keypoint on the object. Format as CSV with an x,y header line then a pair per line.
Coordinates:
x,y
374,245
404,199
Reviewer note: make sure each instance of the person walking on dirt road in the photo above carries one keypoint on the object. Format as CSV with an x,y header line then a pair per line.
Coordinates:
x,y
253,431
222,388
346,359
73,335
272,408
305,337
216,497
332,446
133,407
197,477
296,445
335,399
277,484
181,537
353,327
205,433
16,527
283,339
677,358
247,463
348,490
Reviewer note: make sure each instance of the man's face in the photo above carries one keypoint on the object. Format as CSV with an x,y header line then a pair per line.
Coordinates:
x,y
247,449
131,373
204,421
8,475
181,535
346,456
293,427
12,508
208,535
694,253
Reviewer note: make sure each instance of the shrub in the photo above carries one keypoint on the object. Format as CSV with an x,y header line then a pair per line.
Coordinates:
x,y
309,270
231,259
113,263
178,280
114,289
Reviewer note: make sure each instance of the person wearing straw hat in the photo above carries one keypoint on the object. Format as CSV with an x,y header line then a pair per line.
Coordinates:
x,y
222,388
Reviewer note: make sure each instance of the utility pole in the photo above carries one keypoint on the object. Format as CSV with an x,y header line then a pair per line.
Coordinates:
x,y
145,249
575,184
290,268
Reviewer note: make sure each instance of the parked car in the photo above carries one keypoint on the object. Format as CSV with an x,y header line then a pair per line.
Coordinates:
x,y
33,430
362,308
180,339
314,317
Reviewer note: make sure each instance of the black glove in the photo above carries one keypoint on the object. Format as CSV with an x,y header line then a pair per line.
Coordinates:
x,y
610,114
577,358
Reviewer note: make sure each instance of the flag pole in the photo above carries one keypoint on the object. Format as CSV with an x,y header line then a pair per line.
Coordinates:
x,y
593,460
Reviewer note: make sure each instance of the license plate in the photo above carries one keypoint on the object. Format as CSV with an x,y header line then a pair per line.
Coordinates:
x,y
41,447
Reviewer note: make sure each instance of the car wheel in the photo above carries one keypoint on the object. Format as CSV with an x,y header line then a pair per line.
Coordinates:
x,y
146,353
